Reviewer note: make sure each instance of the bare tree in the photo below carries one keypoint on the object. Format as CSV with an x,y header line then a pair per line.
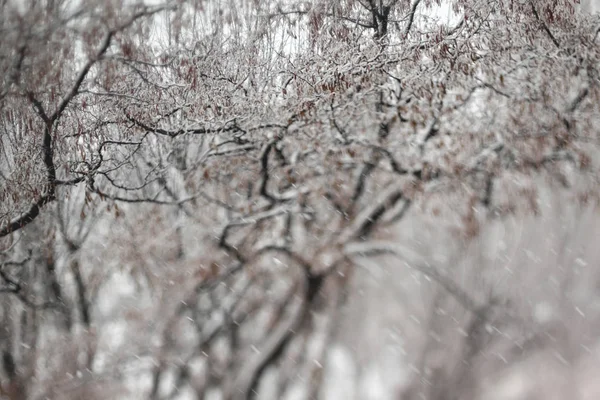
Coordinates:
x,y
195,194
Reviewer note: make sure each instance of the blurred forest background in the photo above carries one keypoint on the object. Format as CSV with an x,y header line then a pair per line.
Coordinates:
x,y
285,199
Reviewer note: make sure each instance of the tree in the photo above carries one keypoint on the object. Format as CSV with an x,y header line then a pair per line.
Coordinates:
x,y
236,168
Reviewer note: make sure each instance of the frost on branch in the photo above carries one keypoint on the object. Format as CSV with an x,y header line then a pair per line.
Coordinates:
x,y
291,200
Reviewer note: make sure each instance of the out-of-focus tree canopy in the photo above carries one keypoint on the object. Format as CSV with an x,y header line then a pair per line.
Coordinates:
x,y
369,199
